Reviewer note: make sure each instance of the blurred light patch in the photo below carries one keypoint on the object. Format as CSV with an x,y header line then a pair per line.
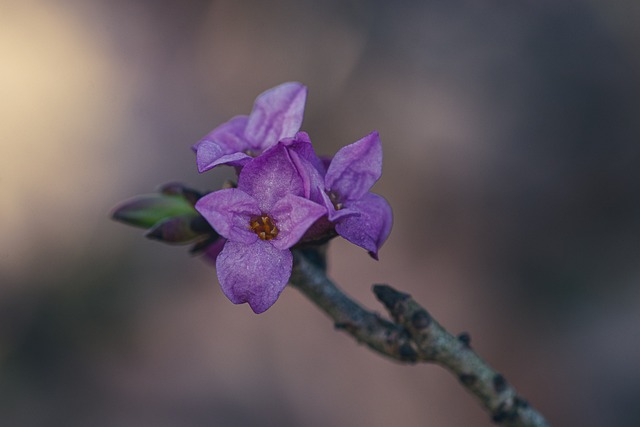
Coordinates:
x,y
57,92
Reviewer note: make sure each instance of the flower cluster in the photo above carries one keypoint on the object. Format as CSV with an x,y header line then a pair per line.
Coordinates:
x,y
285,195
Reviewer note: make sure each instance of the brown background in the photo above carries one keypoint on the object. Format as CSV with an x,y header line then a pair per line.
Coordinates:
x,y
510,135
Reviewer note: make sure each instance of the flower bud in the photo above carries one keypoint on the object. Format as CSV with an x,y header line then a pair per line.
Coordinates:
x,y
169,216
147,210
181,229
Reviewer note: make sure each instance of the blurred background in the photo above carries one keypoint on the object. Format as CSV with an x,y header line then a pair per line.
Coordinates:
x,y
511,143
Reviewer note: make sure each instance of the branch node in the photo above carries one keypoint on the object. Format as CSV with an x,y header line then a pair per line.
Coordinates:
x,y
413,336
407,352
504,412
499,383
465,339
509,410
421,320
521,403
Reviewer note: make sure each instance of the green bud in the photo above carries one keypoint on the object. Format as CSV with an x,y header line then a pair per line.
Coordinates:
x,y
169,216
147,210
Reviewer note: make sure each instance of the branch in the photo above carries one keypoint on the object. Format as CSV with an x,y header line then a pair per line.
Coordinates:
x,y
413,336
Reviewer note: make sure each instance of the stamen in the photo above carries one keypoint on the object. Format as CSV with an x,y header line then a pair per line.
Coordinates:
x,y
335,199
264,227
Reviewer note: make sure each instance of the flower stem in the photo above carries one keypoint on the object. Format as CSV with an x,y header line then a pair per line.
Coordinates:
x,y
413,336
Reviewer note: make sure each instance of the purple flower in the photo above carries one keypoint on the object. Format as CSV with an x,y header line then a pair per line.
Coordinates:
x,y
361,217
261,219
277,114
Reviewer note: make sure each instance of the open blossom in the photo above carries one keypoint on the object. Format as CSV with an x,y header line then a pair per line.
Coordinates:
x,y
261,219
342,184
361,217
285,194
277,114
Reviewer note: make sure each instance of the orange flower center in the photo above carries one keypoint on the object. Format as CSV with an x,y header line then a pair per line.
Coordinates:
x,y
264,227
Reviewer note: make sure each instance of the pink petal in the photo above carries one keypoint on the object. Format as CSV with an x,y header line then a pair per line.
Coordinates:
x,y
277,113
255,273
210,155
370,229
355,168
225,139
293,216
271,176
334,214
229,212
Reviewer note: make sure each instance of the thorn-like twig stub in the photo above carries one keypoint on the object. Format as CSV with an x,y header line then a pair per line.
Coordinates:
x,y
499,383
389,296
421,319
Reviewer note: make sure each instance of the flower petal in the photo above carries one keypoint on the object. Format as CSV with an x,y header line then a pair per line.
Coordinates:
x,y
310,167
271,176
277,113
293,216
225,139
334,214
355,168
255,273
301,144
229,212
370,229
211,154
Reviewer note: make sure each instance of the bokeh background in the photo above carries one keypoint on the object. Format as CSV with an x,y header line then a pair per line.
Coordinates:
x,y
511,143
